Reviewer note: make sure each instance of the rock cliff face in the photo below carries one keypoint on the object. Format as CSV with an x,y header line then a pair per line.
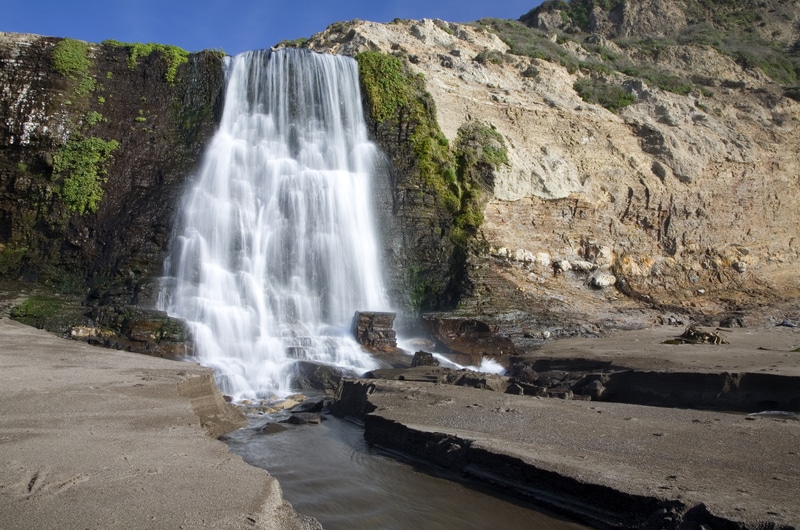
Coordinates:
x,y
684,202
645,177
159,122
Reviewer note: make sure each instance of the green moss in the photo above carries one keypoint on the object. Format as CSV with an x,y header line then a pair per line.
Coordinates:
x,y
424,293
36,308
86,86
296,43
83,164
71,57
11,259
93,117
397,95
480,151
173,55
387,85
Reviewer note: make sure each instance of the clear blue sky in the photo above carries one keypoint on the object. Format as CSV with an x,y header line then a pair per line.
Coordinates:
x,y
231,25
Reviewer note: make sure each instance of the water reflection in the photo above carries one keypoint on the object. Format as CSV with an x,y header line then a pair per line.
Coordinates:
x,y
327,471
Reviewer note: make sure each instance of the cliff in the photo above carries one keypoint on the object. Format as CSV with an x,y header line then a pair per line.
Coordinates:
x,y
647,179
569,173
97,142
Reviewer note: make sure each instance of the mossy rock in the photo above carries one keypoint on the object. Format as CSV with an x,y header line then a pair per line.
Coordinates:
x,y
56,315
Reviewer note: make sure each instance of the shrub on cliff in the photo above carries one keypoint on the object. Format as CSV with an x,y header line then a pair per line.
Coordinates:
x,y
611,96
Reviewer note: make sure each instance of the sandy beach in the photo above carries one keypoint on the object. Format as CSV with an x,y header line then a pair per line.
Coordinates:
x,y
97,438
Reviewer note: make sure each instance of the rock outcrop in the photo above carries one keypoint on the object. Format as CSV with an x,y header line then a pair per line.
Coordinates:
x,y
685,199
157,111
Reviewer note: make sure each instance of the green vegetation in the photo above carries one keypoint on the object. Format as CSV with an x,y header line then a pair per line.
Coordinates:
x,y
296,43
489,56
726,26
36,308
478,144
611,96
396,95
173,55
385,79
578,11
748,49
71,58
528,42
457,177
574,11
479,151
83,163
664,81
93,117
85,86
11,258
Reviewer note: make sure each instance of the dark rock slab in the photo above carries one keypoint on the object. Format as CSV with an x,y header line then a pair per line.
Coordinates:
x,y
611,465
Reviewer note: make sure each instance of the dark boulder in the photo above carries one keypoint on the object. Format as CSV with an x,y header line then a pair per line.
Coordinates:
x,y
423,358
315,376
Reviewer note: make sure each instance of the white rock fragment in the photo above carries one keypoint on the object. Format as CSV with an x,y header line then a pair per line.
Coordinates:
x,y
601,280
583,265
542,259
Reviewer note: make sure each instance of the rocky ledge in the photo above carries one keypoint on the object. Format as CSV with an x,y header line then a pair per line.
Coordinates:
x,y
610,464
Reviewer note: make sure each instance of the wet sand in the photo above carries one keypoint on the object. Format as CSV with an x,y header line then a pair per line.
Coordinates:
x,y
97,438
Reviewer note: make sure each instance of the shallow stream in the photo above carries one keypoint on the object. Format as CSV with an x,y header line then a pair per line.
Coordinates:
x,y
329,472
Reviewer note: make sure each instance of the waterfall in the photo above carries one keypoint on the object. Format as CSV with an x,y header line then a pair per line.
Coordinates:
x,y
275,247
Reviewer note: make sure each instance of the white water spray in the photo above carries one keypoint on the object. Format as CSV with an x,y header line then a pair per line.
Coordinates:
x,y
275,247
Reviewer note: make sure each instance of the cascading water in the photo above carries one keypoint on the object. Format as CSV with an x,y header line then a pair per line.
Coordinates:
x,y
275,248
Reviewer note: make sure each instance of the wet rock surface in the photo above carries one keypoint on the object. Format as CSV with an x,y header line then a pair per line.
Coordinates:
x,y
621,464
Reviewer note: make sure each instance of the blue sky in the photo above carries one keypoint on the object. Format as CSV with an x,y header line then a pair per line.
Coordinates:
x,y
233,26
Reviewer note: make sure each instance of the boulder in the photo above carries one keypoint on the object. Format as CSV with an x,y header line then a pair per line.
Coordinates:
x,y
315,376
375,330
602,279
423,358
